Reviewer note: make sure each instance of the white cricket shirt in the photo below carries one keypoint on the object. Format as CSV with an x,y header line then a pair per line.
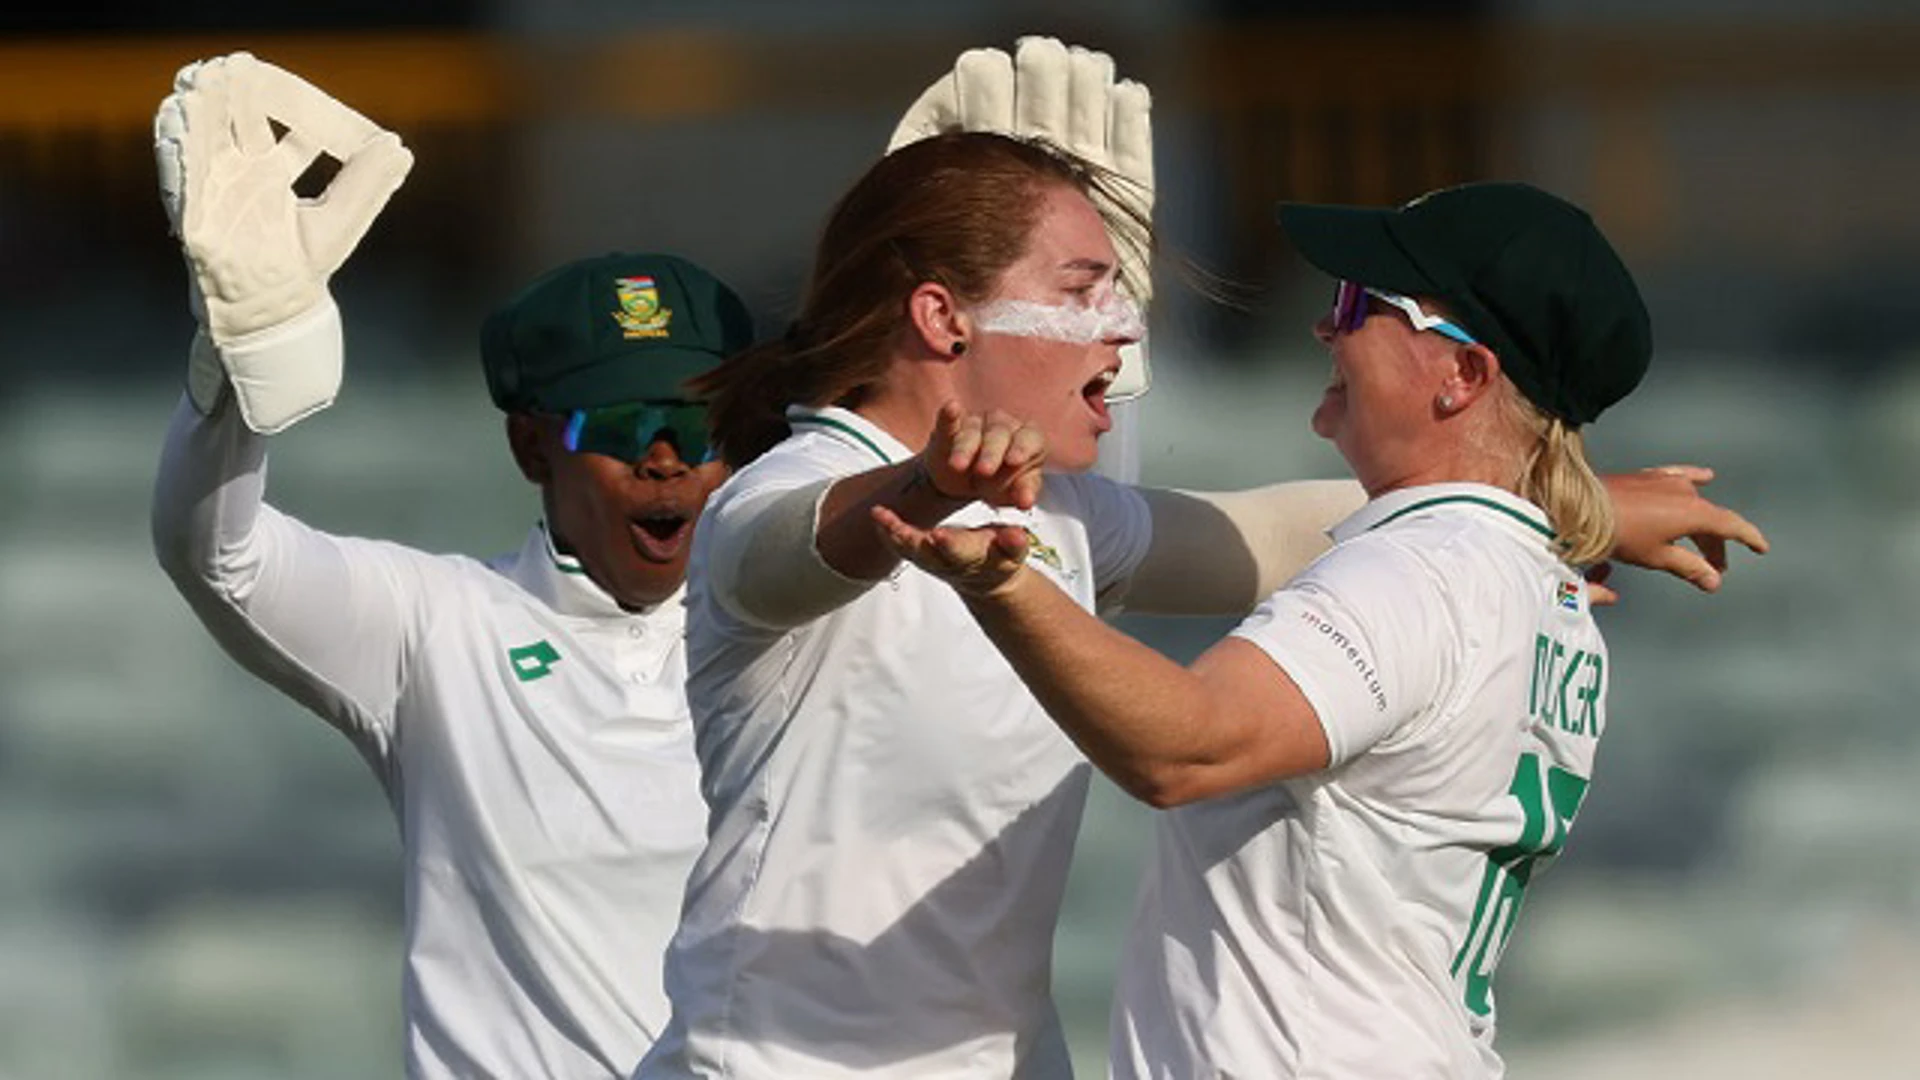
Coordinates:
x,y
892,813
531,735
1346,924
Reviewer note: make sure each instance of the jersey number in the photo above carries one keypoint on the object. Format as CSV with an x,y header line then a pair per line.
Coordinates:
x,y
1550,797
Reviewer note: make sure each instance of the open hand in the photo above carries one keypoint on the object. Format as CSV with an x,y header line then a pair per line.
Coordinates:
x,y
977,562
1654,509
229,142
991,457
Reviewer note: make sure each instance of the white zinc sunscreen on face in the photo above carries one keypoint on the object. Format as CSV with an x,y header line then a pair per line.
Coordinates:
x,y
1107,315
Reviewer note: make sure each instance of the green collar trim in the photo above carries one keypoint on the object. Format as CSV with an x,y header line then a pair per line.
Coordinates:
x,y
841,426
1473,499
566,564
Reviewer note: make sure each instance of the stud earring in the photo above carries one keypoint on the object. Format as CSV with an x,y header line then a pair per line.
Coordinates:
x,y
1446,402
958,348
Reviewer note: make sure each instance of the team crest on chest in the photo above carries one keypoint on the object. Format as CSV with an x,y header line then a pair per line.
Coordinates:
x,y
640,314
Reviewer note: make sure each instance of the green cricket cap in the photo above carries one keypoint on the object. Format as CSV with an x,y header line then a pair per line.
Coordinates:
x,y
608,330
1527,273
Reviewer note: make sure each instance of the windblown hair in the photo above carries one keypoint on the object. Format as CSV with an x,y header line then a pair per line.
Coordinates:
x,y
957,209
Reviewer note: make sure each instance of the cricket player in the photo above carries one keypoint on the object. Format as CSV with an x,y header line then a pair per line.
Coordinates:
x,y
893,813
1368,773
526,715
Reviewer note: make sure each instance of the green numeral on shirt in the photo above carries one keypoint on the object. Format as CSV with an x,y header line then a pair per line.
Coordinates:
x,y
533,661
1550,797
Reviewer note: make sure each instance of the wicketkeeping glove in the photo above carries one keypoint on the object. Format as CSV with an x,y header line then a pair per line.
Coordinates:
x,y
1069,97
229,142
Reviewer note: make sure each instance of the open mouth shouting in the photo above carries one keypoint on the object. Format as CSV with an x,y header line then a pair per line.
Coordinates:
x,y
660,533
1095,395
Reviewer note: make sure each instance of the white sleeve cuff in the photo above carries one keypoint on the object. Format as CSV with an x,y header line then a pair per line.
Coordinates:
x,y
280,375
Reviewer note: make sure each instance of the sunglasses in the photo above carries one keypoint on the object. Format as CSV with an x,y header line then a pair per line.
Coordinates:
x,y
1350,310
628,431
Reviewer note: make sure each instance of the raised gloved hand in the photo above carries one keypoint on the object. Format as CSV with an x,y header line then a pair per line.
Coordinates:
x,y
1069,97
229,142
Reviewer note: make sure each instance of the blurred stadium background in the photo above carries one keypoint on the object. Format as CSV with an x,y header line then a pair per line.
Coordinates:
x,y
199,880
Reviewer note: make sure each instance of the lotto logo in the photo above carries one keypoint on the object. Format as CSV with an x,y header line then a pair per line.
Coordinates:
x,y
533,661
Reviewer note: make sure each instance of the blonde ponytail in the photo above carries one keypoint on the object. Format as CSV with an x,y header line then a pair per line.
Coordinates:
x,y
1554,475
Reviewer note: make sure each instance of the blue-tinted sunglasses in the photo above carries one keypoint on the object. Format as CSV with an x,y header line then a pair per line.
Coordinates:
x,y
628,431
1350,310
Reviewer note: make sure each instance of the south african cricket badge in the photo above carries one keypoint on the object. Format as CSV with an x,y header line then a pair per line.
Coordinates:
x,y
1568,596
1047,555
640,314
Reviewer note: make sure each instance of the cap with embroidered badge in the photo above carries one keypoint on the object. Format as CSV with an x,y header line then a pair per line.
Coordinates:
x,y
608,330
1526,272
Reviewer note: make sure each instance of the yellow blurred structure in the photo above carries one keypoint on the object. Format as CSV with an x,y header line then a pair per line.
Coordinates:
x,y
1366,111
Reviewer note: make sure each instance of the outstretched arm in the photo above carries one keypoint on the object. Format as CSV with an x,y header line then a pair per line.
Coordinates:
x,y
1220,553
992,458
790,556
1167,734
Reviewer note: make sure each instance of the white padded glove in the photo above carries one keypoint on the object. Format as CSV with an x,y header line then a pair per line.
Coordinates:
x,y
229,142
1069,97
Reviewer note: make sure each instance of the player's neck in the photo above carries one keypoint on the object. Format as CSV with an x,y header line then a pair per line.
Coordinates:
x,y
1444,462
906,404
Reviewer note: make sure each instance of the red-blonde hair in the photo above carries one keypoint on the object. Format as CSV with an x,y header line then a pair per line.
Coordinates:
x,y
957,209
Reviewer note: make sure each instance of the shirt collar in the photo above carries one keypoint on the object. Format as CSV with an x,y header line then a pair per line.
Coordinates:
x,y
850,428
559,581
1511,510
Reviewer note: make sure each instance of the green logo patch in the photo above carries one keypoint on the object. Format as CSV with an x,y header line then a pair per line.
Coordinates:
x,y
533,661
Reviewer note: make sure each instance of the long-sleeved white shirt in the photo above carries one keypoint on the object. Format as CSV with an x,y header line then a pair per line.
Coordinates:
x,y
532,736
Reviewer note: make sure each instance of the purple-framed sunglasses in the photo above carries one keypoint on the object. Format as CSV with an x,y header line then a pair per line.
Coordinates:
x,y
1350,310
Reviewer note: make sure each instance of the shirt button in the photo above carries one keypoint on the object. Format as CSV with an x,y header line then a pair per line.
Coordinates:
x,y
635,631
639,678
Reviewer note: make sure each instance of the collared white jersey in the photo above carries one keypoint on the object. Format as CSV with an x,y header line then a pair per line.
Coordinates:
x,y
531,735
1346,924
892,813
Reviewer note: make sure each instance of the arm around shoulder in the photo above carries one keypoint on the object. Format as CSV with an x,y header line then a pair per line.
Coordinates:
x,y
1219,553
